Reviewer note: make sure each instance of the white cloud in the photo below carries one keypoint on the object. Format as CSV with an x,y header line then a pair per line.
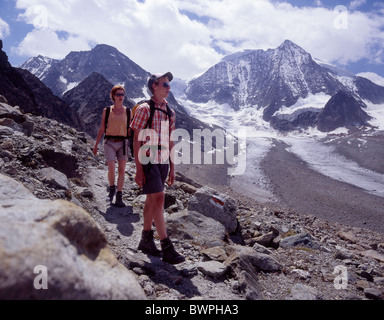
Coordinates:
x,y
187,37
153,34
46,42
4,29
373,77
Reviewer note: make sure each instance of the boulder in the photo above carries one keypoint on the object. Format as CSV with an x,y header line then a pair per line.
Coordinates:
x,y
54,177
215,205
191,225
299,240
246,264
303,292
55,250
259,261
213,269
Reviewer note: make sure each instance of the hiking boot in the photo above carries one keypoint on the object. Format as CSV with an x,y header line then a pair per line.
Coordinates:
x,y
147,244
112,192
119,200
169,253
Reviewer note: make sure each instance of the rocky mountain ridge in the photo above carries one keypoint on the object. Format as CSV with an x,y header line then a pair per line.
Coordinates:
x,y
23,89
278,78
80,107
235,247
84,79
272,80
63,75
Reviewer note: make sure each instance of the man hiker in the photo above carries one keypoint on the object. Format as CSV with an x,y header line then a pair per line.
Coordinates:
x,y
155,116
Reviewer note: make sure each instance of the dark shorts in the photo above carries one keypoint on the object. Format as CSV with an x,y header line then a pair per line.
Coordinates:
x,y
155,176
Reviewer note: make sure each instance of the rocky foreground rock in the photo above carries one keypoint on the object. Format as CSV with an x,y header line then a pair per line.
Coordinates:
x,y
54,214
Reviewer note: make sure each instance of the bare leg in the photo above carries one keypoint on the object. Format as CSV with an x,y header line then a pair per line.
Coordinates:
x,y
111,172
121,175
153,211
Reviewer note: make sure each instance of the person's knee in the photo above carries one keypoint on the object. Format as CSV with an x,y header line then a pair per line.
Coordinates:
x,y
122,165
111,164
156,198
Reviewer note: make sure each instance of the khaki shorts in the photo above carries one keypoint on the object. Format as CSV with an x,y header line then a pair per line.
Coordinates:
x,y
115,150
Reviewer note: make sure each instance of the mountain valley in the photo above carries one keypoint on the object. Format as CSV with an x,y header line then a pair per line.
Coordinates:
x,y
313,154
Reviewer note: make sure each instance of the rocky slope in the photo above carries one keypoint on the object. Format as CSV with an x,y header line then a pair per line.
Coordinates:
x,y
236,248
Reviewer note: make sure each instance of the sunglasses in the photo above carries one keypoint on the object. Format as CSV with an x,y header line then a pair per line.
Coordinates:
x,y
166,85
120,94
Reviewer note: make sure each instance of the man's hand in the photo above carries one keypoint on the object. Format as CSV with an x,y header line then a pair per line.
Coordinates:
x,y
140,177
171,178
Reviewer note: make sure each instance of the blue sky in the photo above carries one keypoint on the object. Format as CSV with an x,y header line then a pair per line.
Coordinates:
x,y
189,36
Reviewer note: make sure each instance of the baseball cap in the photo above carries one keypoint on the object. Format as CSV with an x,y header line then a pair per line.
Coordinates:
x,y
158,76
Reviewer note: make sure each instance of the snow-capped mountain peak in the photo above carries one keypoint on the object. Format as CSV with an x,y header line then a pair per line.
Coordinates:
x,y
63,75
39,66
286,83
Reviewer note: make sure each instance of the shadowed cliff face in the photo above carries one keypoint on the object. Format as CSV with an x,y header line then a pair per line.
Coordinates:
x,y
23,89
341,111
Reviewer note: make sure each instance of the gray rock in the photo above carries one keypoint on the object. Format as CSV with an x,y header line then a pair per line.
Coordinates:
x,y
259,261
55,250
216,206
6,131
13,118
215,253
374,294
54,177
67,146
213,269
303,292
300,240
259,248
246,264
191,225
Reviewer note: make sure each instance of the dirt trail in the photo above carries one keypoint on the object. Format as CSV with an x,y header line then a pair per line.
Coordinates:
x,y
122,227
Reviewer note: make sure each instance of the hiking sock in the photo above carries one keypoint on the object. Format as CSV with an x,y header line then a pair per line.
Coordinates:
x,y
169,253
147,244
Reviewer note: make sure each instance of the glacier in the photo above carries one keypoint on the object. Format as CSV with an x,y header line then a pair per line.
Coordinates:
x,y
305,144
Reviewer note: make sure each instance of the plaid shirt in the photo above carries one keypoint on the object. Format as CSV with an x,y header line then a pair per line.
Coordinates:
x,y
160,125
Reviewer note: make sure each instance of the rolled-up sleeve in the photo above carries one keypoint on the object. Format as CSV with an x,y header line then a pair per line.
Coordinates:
x,y
141,117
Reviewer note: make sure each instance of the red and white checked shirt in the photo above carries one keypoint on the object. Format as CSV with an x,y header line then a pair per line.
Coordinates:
x,y
160,132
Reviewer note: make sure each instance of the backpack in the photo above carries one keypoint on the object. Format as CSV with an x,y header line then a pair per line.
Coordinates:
x,y
152,109
129,136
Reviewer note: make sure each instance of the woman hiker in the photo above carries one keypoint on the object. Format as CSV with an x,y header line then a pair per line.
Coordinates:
x,y
115,145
